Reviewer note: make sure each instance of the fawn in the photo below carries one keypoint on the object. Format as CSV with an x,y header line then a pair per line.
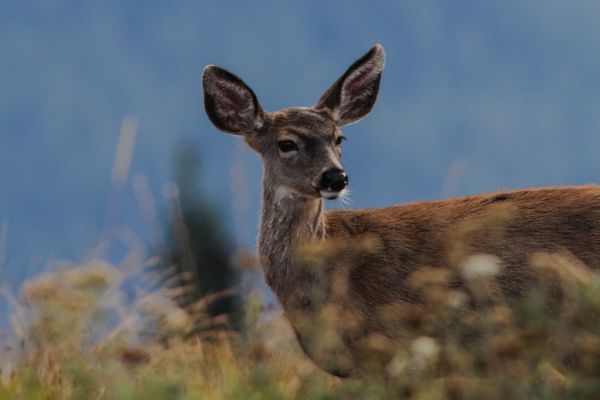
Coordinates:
x,y
332,271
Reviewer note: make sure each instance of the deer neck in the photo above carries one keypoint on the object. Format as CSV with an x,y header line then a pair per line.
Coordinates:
x,y
288,219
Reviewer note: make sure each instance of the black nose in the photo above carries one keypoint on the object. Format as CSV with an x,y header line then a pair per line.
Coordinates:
x,y
334,179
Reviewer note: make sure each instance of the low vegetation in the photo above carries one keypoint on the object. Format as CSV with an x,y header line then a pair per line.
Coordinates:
x,y
88,332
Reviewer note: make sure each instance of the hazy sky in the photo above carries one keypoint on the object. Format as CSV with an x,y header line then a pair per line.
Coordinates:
x,y
476,96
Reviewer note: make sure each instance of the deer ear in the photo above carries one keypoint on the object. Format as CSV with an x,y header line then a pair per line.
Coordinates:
x,y
352,96
230,104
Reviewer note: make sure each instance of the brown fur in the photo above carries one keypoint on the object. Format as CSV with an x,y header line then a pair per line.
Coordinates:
x,y
556,220
333,272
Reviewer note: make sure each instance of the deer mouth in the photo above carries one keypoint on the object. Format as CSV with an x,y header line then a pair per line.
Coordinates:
x,y
329,193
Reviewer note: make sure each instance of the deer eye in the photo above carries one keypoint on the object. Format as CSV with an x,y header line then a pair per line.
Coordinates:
x,y
339,140
287,145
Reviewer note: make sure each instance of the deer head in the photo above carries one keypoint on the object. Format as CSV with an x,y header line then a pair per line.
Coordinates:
x,y
300,147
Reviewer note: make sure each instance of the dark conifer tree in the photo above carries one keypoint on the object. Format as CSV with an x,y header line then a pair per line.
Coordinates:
x,y
197,254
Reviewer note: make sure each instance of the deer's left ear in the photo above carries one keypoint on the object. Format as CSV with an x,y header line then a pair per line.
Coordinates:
x,y
352,96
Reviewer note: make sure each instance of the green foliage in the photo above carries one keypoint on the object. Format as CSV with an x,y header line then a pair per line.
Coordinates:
x,y
545,345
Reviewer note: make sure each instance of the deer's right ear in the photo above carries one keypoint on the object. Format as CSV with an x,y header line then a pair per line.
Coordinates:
x,y
230,104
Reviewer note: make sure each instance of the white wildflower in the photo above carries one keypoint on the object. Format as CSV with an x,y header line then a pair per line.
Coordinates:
x,y
481,266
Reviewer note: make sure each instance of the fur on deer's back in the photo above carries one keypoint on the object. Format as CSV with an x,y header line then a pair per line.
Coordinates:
x,y
511,225
373,252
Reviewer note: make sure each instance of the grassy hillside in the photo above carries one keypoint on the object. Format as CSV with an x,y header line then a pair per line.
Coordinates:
x,y
83,333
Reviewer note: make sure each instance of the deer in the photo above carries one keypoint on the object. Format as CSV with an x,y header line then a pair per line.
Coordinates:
x,y
364,258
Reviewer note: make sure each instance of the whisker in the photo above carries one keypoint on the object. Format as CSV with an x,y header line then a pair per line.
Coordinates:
x,y
344,198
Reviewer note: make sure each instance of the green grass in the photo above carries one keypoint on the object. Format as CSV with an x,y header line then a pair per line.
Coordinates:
x,y
80,339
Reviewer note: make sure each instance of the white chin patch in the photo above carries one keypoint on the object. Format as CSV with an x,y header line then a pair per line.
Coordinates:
x,y
329,194
283,192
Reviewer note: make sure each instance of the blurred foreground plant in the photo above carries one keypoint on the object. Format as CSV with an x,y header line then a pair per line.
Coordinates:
x,y
82,340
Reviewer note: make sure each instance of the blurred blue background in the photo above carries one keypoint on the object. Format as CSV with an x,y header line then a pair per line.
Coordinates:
x,y
475,97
